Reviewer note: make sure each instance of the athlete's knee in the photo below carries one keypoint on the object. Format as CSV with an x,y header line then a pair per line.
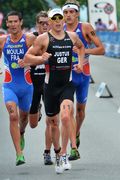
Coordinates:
x,y
33,121
12,114
24,117
66,111
80,113
53,122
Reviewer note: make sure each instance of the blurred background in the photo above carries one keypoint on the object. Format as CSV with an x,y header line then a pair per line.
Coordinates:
x,y
104,16
30,8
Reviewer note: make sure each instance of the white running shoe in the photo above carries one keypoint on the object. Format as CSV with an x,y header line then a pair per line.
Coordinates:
x,y
58,165
65,162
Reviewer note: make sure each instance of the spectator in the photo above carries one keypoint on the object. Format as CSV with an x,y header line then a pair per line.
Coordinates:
x,y
112,26
100,26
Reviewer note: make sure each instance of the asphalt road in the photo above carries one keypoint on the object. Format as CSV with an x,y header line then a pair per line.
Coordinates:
x,y
100,135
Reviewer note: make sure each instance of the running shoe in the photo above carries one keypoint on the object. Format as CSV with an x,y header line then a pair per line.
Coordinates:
x,y
74,154
65,162
20,160
22,142
40,114
78,140
58,165
47,159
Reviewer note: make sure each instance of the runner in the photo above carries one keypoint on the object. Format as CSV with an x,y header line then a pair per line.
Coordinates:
x,y
38,76
55,50
81,81
17,86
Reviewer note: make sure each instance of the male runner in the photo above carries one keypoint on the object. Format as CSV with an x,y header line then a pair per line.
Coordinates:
x,y
38,77
55,49
81,81
17,86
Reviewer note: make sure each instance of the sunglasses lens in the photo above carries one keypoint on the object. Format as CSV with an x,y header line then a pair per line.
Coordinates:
x,y
60,17
43,23
54,18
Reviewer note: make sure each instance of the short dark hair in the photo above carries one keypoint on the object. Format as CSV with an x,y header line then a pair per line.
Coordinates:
x,y
99,20
14,13
41,14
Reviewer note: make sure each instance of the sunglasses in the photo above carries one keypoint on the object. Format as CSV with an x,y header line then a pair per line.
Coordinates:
x,y
58,17
43,23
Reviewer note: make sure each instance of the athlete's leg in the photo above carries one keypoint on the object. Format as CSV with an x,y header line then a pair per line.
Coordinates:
x,y
66,111
34,110
73,131
74,154
11,101
23,120
48,143
52,108
24,107
48,135
33,120
14,125
67,117
55,133
81,99
52,135
80,116
68,128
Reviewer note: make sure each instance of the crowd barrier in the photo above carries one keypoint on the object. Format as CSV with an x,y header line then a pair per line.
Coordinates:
x,y
111,41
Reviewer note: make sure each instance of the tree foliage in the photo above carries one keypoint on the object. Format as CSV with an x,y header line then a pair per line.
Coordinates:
x,y
61,2
118,10
29,9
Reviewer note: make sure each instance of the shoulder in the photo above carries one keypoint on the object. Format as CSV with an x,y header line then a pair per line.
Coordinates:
x,y
42,40
30,37
3,37
87,26
42,37
87,29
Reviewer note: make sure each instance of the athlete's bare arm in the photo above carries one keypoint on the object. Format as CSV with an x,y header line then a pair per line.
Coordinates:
x,y
37,54
79,49
91,37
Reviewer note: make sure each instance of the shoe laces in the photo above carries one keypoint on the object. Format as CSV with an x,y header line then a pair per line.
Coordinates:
x,y
65,159
58,160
